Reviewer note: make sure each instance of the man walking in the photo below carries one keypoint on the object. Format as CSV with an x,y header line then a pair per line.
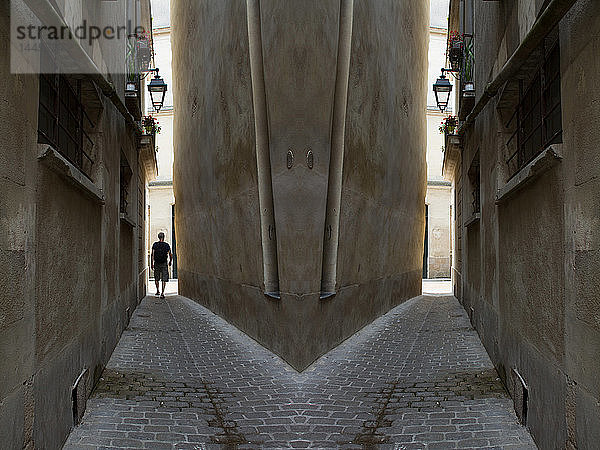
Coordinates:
x,y
160,251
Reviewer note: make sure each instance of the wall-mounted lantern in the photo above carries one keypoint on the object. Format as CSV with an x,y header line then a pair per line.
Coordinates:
x,y
157,89
442,89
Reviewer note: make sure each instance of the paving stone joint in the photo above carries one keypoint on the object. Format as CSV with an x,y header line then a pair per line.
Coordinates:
x,y
416,378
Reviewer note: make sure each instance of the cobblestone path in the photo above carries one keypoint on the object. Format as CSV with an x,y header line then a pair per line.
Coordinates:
x,y
418,377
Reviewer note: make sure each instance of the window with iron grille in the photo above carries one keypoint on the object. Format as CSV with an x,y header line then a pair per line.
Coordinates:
x,y
124,183
62,120
537,120
474,174
476,193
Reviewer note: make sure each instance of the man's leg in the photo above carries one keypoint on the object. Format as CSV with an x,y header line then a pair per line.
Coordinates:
x,y
156,281
164,277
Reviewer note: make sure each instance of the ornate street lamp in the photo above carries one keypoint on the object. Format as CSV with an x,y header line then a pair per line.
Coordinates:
x,y
157,89
442,89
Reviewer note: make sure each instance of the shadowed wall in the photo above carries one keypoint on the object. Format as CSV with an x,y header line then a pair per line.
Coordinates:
x,y
300,163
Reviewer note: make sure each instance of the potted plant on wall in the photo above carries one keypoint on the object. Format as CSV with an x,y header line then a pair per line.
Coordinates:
x,y
132,94
455,50
467,75
448,125
147,140
132,72
451,139
150,125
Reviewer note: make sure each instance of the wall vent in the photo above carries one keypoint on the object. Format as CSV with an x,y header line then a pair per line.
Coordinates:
x,y
520,396
79,395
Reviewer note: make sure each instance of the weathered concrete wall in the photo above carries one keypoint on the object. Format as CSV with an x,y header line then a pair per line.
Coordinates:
x,y
580,44
530,265
17,247
215,170
289,99
73,264
383,184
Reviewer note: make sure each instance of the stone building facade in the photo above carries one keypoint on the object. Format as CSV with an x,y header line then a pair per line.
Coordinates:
x,y
161,199
300,176
526,168
73,173
438,200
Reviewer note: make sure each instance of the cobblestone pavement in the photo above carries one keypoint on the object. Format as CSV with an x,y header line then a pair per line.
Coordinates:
x,y
418,377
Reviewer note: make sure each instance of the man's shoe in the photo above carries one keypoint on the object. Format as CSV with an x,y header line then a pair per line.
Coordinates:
x,y
157,294
162,295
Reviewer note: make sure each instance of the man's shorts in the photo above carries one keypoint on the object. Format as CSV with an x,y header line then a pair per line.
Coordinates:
x,y
161,272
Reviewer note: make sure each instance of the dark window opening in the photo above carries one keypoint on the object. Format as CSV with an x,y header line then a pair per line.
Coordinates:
x,y
475,180
124,184
537,120
62,120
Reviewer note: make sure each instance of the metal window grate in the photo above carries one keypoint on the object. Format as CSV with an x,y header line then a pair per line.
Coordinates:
x,y
474,175
537,120
62,121
125,180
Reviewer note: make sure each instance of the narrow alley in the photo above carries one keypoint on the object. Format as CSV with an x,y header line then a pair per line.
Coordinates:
x,y
377,222
181,377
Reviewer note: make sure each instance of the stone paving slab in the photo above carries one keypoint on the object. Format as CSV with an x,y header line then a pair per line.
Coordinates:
x,y
437,286
416,378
